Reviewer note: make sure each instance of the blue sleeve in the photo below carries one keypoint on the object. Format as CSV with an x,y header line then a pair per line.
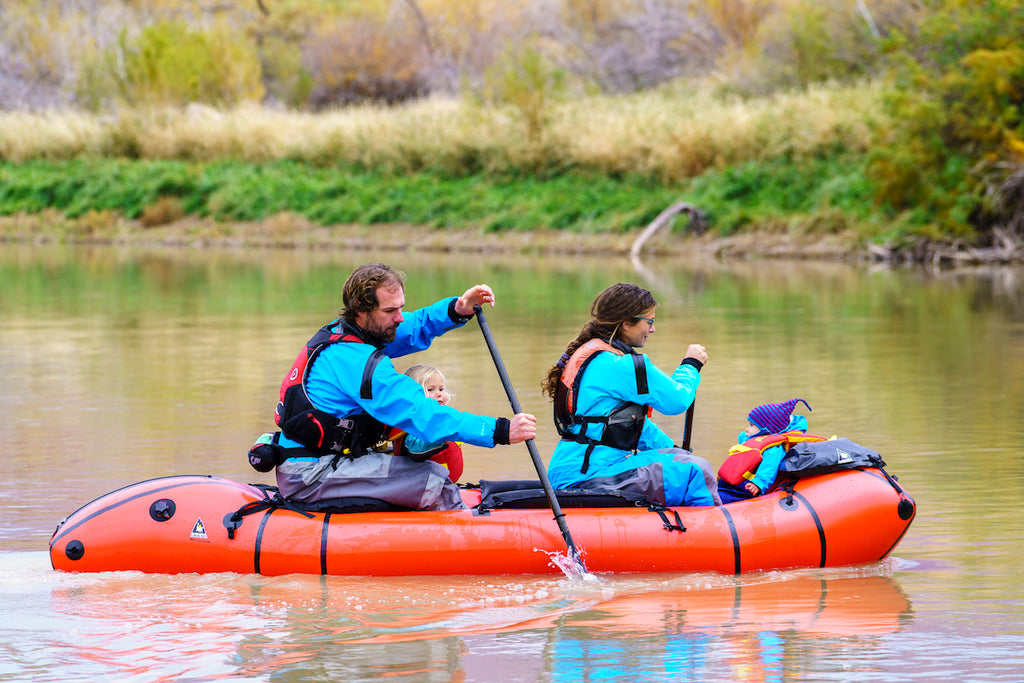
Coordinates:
x,y
417,445
399,401
421,327
334,384
610,379
668,395
768,470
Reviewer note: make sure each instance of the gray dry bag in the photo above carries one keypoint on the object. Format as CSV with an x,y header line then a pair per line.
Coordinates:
x,y
817,457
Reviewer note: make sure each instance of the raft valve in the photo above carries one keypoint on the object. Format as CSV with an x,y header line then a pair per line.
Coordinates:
x,y
162,510
74,550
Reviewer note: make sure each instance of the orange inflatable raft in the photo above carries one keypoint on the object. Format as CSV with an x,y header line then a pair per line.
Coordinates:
x,y
192,524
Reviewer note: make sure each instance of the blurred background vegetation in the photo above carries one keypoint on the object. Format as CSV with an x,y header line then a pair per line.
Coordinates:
x,y
897,120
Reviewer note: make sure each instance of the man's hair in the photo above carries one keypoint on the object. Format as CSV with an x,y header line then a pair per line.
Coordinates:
x,y
359,294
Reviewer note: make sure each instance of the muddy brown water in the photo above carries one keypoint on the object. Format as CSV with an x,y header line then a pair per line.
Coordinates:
x,y
121,364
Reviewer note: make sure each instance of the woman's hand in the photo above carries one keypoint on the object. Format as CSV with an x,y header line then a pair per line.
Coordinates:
x,y
697,352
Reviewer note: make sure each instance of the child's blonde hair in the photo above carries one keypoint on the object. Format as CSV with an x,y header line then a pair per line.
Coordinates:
x,y
421,372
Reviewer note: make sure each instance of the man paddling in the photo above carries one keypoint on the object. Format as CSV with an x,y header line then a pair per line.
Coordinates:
x,y
343,394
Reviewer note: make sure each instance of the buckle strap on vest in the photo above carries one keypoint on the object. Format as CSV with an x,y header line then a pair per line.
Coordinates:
x,y
623,426
586,455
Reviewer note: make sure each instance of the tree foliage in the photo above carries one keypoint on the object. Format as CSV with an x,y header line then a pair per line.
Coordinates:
x,y
358,60
319,53
169,63
955,161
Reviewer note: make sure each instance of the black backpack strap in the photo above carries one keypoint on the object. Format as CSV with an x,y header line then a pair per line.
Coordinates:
x,y
366,386
641,373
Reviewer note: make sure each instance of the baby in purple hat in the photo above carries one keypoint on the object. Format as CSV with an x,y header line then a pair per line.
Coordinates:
x,y
770,418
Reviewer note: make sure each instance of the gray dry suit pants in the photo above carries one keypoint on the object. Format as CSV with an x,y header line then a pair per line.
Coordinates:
x,y
393,479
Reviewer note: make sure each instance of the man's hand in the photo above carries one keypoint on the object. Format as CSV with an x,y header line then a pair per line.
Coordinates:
x,y
752,488
477,295
523,428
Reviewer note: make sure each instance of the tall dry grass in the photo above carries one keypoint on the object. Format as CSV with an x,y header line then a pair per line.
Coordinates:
x,y
680,134
670,133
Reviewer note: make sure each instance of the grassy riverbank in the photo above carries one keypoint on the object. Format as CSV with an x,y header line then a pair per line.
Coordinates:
x,y
755,194
602,168
799,118
819,208
296,204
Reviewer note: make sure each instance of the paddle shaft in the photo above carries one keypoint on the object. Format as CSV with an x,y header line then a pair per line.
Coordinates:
x,y
688,428
549,491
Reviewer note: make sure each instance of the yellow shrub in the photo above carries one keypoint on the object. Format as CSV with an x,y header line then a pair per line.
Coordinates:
x,y
172,64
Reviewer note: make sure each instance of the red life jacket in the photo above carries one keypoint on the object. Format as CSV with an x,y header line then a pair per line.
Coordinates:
x,y
451,457
319,430
745,458
622,426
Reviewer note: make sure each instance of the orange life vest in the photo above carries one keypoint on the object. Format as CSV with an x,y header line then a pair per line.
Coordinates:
x,y
622,426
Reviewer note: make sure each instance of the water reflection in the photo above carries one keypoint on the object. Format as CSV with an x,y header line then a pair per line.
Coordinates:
x,y
301,627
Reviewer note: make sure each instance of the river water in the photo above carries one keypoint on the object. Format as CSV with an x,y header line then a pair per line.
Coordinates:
x,y
122,364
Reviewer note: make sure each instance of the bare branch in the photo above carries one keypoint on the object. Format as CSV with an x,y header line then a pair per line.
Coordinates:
x,y
663,219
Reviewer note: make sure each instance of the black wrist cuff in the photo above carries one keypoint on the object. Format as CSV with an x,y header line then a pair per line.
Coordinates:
x,y
456,318
501,430
694,362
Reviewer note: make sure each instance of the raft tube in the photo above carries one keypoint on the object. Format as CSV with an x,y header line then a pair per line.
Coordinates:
x,y
183,524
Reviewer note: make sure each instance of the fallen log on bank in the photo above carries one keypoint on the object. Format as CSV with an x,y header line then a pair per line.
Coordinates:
x,y
664,218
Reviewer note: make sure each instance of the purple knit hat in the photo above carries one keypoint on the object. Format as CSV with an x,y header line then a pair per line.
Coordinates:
x,y
775,416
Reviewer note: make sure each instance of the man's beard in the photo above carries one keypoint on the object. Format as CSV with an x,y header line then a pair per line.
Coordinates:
x,y
380,337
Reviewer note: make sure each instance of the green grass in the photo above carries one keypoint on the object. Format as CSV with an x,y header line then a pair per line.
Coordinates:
x,y
753,194
781,191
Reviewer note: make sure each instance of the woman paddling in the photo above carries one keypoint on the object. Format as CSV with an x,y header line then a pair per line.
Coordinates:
x,y
603,390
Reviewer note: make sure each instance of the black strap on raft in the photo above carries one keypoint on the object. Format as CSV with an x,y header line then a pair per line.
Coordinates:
x,y
272,498
891,479
661,510
787,486
788,489
905,508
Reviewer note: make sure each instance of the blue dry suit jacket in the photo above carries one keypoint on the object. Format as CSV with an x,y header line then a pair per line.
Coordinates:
x,y
608,380
771,459
398,400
